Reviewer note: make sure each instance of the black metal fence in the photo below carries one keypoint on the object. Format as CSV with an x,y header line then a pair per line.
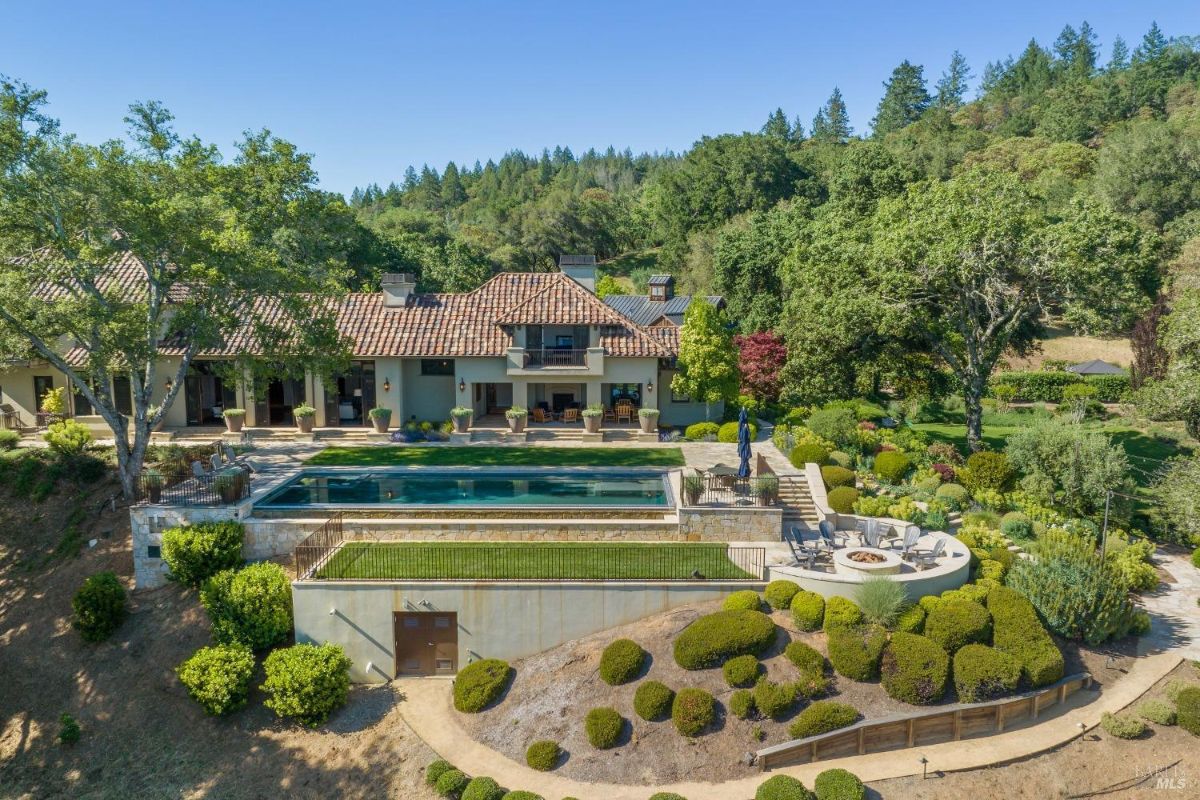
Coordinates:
x,y
318,546
556,357
178,487
721,490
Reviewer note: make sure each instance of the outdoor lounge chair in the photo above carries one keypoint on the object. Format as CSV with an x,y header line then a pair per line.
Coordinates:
x,y
802,552
831,535
539,415
911,534
872,533
232,458
624,411
929,558
570,415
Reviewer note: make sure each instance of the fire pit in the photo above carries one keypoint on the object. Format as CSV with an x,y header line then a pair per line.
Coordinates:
x,y
866,561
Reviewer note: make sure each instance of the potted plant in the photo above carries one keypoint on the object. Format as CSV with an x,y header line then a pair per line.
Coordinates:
x,y
461,416
380,418
230,485
234,419
765,488
305,416
517,416
153,482
54,404
593,415
693,487
648,419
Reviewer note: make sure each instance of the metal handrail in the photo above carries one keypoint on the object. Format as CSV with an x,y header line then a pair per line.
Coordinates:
x,y
556,357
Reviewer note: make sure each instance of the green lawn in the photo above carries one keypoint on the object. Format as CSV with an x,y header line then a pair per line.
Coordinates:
x,y
498,457
530,561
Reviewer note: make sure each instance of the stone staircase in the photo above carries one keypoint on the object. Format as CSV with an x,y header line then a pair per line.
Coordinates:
x,y
798,507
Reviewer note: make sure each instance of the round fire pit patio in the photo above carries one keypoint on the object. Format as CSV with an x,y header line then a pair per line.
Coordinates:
x,y
866,561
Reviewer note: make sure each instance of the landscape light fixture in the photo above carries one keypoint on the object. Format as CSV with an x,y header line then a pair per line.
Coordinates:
x,y
924,767
332,611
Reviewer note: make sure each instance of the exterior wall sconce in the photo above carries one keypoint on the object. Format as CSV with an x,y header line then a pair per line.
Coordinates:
x,y
462,385
649,386
169,384
387,385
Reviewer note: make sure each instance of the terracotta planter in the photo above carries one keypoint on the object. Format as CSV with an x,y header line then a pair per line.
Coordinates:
x,y
648,423
305,424
592,424
381,424
462,424
517,424
234,423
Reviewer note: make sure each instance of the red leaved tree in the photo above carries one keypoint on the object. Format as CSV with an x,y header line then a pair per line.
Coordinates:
x,y
761,359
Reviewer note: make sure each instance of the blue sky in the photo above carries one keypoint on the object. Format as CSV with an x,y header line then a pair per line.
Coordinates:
x,y
370,88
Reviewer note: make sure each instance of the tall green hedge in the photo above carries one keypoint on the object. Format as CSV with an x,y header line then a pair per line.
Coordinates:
x,y
1047,386
1017,631
195,553
714,638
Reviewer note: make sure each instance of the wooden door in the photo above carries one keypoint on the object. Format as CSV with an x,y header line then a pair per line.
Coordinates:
x,y
426,643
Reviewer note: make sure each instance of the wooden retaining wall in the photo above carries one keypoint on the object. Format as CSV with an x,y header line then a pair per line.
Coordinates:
x,y
944,724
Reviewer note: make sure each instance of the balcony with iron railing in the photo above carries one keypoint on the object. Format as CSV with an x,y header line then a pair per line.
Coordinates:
x,y
589,361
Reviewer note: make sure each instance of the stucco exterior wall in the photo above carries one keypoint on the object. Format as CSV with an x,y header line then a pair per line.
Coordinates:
x,y
682,413
426,397
496,619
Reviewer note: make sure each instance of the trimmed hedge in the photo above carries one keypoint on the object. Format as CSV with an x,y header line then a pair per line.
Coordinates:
x,y
839,784
983,673
483,789
1122,726
808,454
728,432
774,700
855,652
986,470
250,606
779,593
713,639
914,669
435,770
521,794
195,553
452,783
808,610
99,606
842,499
745,600
805,658
891,466
621,662
783,787
1159,712
652,701
822,716
218,678
835,476
543,755
306,681
1018,632
955,623
1187,710
692,711
701,430
741,670
911,619
741,704
603,726
841,613
1038,386
480,683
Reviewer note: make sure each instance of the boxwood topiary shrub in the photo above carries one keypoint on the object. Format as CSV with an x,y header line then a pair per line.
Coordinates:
x,y
914,669
745,600
701,430
839,784
728,432
986,470
435,770
808,610
955,623
911,619
953,495
855,652
520,794
1122,726
741,704
805,658
652,701
306,682
783,787
841,459
218,678
1187,710
841,613
809,454
250,606
741,670
929,602
452,783
822,716
835,476
621,662
1159,712
1018,632
667,796
891,466
603,726
692,711
774,700
480,683
842,499
1016,525
483,789
194,553
779,594
714,638
543,755
99,607
982,673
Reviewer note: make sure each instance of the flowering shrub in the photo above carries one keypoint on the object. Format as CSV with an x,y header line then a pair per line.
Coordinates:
x,y
944,471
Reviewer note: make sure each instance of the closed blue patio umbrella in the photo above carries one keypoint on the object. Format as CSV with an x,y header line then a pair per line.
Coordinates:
x,y
743,445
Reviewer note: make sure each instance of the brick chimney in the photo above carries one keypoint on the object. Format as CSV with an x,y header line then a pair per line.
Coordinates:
x,y
397,288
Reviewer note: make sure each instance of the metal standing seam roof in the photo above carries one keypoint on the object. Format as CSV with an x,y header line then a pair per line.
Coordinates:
x,y
641,310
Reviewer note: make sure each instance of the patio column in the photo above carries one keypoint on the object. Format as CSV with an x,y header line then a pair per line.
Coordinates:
x,y
248,398
592,392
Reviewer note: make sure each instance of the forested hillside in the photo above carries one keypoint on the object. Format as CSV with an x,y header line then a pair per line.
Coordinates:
x,y
1090,161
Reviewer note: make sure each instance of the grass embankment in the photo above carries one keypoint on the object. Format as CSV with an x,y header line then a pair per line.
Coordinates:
x,y
530,561
498,457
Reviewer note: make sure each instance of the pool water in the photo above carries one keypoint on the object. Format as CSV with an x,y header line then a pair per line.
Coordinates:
x,y
502,487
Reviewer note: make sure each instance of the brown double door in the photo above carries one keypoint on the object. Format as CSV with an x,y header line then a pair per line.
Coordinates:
x,y
426,643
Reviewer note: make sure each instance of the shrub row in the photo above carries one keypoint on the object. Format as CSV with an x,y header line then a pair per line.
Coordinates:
x,y
955,623
982,673
1047,386
1018,632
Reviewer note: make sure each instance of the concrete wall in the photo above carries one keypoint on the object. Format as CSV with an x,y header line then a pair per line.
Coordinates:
x,y
148,524
496,619
916,585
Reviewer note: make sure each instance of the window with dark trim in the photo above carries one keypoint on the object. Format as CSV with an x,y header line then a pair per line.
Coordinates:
x,y
123,395
679,398
437,366
153,551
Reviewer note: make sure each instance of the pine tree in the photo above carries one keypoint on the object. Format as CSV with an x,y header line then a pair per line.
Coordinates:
x,y
410,178
832,123
904,99
1153,45
453,192
777,125
952,87
797,129
1119,59
1064,45
1083,57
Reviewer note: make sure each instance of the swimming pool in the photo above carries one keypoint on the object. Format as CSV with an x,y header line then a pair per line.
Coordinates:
x,y
476,487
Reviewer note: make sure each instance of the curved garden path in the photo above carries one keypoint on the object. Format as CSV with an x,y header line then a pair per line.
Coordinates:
x,y
426,707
